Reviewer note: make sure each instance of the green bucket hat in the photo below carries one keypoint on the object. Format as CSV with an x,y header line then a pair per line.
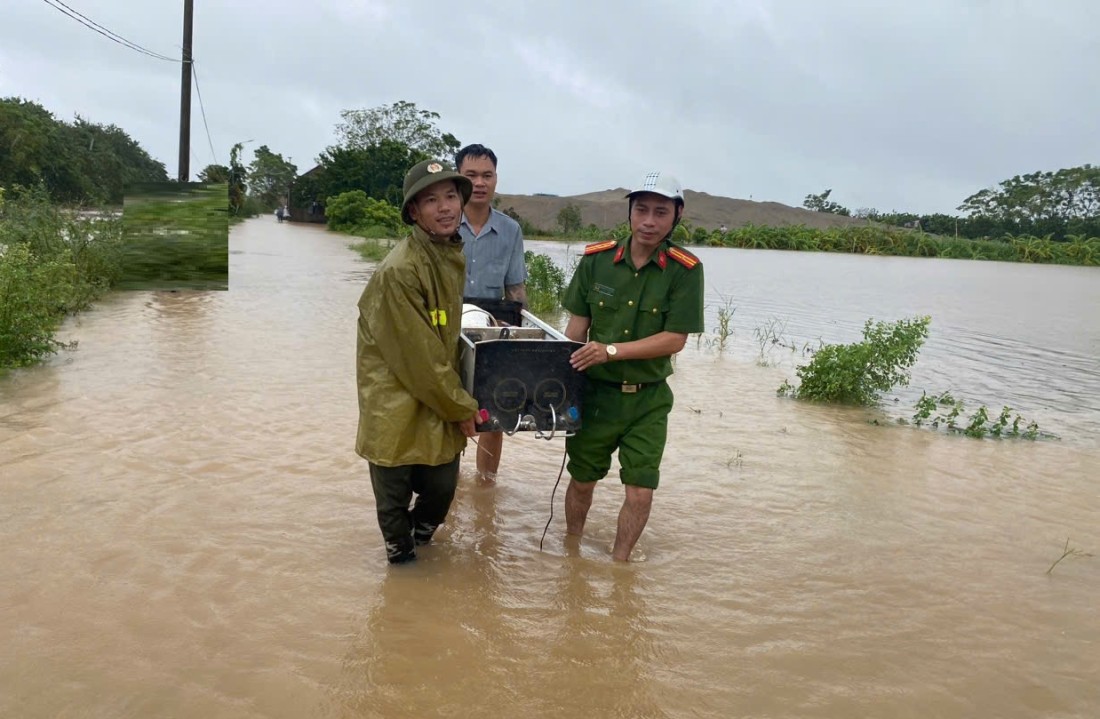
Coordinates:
x,y
427,173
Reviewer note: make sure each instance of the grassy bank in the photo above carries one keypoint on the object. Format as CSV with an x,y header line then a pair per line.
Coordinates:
x,y
176,236
52,263
871,240
879,240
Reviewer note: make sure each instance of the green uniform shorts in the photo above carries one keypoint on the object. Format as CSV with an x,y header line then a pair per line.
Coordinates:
x,y
635,423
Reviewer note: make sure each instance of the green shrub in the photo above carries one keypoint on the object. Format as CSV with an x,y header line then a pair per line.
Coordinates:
x,y
545,283
681,234
34,295
880,240
858,373
353,209
52,263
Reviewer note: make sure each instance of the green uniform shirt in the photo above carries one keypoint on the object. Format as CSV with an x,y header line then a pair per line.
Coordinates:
x,y
627,303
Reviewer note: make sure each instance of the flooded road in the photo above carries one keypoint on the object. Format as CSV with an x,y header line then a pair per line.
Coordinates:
x,y
187,531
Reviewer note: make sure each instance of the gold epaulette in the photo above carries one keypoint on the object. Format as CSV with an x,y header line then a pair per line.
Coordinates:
x,y
600,246
684,257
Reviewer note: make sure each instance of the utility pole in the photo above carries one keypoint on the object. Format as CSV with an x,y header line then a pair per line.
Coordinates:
x,y
185,93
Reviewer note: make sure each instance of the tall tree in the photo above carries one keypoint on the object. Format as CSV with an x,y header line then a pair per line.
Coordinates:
x,y
214,173
379,170
402,122
36,149
269,177
112,160
821,203
569,219
78,162
1040,198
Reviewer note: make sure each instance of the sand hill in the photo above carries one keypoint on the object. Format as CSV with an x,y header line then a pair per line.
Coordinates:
x,y
608,208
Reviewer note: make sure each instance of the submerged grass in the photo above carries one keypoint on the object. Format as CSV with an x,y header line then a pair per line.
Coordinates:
x,y
373,250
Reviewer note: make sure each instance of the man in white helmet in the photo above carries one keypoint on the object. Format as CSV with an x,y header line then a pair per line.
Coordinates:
x,y
633,303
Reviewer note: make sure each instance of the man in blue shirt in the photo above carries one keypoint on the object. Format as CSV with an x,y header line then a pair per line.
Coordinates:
x,y
495,266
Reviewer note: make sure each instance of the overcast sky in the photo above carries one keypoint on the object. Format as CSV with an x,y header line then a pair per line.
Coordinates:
x,y
895,104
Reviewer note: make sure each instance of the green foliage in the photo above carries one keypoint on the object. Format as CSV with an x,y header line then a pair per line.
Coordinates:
x,y
372,250
723,331
33,295
354,211
943,409
1072,193
270,177
214,174
878,240
545,282
1057,204
401,123
569,219
858,373
52,263
681,233
80,162
621,231
725,322
378,170
528,229
175,236
821,203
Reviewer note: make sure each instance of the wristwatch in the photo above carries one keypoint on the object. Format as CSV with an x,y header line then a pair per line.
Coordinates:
x,y
611,350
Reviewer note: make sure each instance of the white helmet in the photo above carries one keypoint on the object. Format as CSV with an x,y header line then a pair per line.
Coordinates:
x,y
660,183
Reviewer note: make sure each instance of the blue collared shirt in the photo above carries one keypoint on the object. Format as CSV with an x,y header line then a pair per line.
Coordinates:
x,y
494,257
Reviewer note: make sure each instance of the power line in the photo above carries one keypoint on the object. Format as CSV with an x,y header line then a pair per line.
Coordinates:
x,y
112,36
195,72
87,22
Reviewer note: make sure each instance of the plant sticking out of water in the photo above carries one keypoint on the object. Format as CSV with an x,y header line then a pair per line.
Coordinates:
x,y
724,329
860,372
545,283
944,409
725,322
770,335
1068,551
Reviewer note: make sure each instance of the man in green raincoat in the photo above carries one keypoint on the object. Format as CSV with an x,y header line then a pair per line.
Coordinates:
x,y
414,414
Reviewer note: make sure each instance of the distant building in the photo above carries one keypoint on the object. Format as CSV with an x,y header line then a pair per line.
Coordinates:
x,y
306,209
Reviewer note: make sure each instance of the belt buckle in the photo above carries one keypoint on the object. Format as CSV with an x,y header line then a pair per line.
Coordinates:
x,y
629,388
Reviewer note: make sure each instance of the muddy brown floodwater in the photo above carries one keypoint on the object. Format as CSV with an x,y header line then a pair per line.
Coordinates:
x,y
187,532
